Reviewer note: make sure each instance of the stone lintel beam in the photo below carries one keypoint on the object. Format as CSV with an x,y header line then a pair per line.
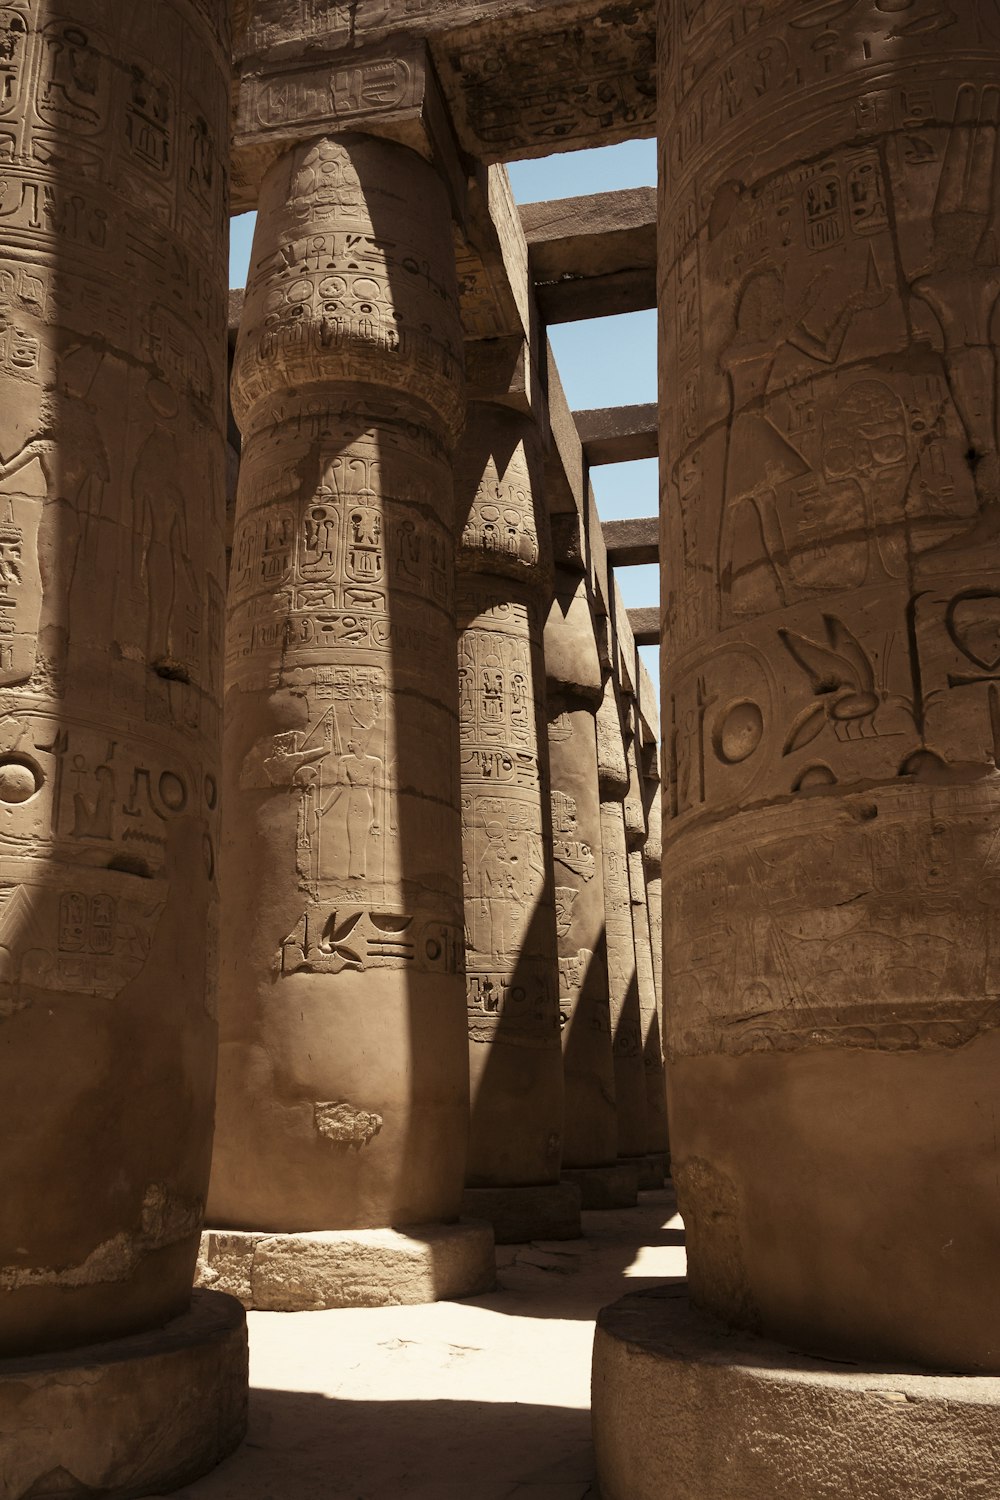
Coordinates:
x,y
593,257
618,434
499,314
521,77
500,370
284,101
632,543
565,470
645,625
648,719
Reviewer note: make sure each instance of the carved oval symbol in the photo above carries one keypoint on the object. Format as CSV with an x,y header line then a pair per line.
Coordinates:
x,y
973,622
738,732
20,779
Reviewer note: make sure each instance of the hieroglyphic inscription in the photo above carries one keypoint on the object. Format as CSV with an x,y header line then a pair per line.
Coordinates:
x,y
113,200
556,80
510,930
510,975
341,603
830,277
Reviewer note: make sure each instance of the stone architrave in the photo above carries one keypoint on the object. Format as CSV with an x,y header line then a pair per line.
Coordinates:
x,y
113,207
512,970
832,584
343,1101
575,688
623,983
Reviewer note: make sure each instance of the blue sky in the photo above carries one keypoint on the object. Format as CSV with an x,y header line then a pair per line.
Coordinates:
x,y
602,362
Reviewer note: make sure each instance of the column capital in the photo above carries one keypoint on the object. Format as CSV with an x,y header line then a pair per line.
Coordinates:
x,y
389,89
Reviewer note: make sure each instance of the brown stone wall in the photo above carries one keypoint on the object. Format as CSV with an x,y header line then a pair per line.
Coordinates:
x,y
344,1086
113,205
830,271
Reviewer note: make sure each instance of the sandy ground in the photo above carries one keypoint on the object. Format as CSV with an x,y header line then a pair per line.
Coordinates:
x,y
486,1399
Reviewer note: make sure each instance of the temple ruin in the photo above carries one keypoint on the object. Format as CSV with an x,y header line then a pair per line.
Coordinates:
x,y
365,907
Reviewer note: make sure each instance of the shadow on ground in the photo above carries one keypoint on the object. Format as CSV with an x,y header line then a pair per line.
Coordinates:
x,y
304,1446
481,1399
576,1278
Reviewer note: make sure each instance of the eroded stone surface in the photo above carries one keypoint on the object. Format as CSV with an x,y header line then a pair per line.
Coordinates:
x,y
360,1268
343,1086
112,491
137,1417
829,277
724,1414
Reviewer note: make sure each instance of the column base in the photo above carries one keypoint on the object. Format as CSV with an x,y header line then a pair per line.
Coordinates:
x,y
684,1404
605,1187
654,1170
519,1214
348,1267
137,1416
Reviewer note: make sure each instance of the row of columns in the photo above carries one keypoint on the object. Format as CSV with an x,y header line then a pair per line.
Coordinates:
x,y
417,1029
427,946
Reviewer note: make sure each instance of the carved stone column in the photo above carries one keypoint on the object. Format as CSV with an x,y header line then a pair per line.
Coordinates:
x,y
652,855
113,268
575,688
652,859
343,1102
654,1167
626,1020
830,275
512,973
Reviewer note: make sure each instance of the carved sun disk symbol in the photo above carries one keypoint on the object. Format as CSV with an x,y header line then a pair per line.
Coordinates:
x,y
738,732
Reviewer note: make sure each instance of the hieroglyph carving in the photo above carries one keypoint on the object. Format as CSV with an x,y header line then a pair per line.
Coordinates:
x,y
832,505
510,987
112,221
341,591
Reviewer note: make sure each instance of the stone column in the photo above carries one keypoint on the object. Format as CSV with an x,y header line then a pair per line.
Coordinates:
x,y
512,973
652,1168
626,1021
575,688
112,316
652,855
652,867
343,1101
830,272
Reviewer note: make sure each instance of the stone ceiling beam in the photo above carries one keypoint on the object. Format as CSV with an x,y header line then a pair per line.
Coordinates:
x,y
518,78
645,625
618,434
632,543
593,257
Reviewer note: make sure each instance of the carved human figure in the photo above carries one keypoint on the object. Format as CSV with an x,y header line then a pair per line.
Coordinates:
x,y
360,785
